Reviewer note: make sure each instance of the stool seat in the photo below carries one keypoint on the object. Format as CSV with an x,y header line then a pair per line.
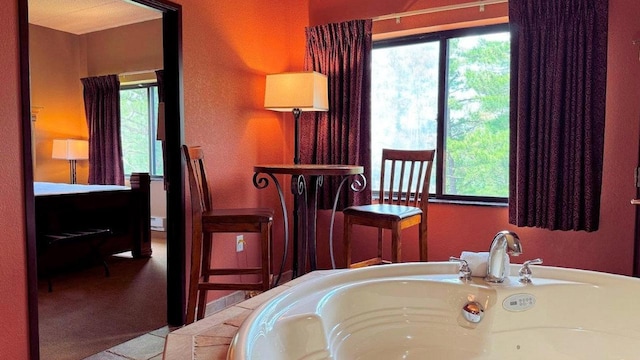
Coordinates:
x,y
384,211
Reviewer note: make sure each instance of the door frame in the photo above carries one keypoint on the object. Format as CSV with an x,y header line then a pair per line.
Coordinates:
x,y
173,172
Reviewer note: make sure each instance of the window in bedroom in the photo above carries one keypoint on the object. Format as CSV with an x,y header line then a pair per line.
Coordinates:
x,y
448,91
138,128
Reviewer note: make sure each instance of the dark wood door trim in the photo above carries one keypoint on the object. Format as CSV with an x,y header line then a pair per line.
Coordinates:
x,y
27,178
636,242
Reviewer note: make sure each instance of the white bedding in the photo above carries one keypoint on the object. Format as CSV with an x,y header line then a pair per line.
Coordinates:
x,y
49,188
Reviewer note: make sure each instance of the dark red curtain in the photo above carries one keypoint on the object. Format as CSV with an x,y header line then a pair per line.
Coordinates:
x,y
102,109
558,83
341,135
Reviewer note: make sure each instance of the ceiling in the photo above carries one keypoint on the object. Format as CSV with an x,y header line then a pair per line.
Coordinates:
x,y
85,16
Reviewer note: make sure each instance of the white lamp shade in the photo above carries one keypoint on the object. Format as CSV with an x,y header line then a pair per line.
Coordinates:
x,y
70,149
306,91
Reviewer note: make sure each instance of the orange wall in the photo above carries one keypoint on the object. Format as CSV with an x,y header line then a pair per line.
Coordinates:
x,y
453,228
130,48
57,62
14,342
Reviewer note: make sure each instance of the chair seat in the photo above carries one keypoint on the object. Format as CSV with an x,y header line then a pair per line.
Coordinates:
x,y
237,216
383,211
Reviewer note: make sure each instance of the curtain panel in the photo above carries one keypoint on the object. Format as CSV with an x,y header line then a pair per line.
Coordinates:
x,y
342,135
102,109
558,84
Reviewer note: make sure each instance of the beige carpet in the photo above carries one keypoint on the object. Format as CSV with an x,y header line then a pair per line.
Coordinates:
x,y
87,312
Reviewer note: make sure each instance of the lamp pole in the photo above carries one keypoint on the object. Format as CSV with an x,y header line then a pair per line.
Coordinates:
x,y
296,116
296,206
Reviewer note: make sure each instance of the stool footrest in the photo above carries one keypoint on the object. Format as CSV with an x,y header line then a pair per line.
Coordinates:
x,y
230,286
240,271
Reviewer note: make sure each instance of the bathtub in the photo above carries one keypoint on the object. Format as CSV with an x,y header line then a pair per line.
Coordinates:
x,y
414,311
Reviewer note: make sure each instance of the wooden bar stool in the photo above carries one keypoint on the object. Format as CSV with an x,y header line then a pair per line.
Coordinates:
x,y
205,222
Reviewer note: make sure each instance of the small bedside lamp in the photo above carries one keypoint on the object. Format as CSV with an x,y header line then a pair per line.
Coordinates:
x,y
72,150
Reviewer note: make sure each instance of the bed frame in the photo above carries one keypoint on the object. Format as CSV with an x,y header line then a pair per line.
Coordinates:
x,y
80,227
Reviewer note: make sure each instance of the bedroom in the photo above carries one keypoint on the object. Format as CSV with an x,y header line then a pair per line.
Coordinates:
x,y
58,60
63,51
226,55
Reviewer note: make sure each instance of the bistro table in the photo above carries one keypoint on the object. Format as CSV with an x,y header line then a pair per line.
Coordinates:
x,y
306,179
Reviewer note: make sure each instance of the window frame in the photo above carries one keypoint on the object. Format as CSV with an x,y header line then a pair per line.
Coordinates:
x,y
442,38
153,115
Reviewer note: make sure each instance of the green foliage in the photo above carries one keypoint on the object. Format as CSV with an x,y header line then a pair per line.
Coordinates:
x,y
477,138
137,131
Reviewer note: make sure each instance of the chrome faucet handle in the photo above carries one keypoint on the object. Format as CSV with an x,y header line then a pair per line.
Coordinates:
x,y
465,271
525,271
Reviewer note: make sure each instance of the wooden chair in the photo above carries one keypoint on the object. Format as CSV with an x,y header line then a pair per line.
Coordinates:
x,y
403,203
206,222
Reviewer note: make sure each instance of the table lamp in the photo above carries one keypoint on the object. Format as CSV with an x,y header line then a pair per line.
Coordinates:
x,y
296,92
72,150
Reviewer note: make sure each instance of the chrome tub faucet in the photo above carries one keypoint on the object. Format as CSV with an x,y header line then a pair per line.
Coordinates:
x,y
505,243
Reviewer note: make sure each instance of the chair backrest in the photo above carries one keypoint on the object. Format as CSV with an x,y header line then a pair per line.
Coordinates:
x,y
405,177
198,184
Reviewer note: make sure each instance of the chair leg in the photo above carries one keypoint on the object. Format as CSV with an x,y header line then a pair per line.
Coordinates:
x,y
194,277
207,245
380,243
265,233
422,237
347,241
396,243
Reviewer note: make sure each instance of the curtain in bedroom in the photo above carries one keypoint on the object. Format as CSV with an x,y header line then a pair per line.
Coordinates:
x,y
558,62
160,126
341,135
102,109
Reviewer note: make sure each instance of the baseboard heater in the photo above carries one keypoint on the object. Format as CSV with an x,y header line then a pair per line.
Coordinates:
x,y
158,223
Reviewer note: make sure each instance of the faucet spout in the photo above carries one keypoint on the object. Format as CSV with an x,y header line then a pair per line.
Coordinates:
x,y
505,243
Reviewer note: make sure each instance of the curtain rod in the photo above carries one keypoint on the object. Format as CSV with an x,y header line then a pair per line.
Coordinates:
x,y
480,3
131,73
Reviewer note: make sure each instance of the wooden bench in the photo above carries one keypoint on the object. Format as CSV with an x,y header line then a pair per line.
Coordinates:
x,y
93,238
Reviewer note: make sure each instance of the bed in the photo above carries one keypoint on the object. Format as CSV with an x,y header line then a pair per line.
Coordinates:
x,y
82,223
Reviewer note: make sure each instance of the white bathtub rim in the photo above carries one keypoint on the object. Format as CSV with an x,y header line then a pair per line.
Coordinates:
x,y
263,318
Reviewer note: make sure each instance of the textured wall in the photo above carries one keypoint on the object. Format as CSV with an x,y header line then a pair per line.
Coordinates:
x,y
13,286
130,48
57,62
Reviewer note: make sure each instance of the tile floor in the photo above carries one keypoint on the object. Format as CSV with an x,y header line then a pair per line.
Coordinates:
x,y
146,347
151,345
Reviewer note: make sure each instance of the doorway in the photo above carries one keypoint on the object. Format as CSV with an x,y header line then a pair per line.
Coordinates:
x,y
174,126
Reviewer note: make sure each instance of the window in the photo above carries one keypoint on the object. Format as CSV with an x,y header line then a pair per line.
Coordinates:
x,y
448,91
141,151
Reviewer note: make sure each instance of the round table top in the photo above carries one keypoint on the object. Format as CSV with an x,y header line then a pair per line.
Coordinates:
x,y
309,169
